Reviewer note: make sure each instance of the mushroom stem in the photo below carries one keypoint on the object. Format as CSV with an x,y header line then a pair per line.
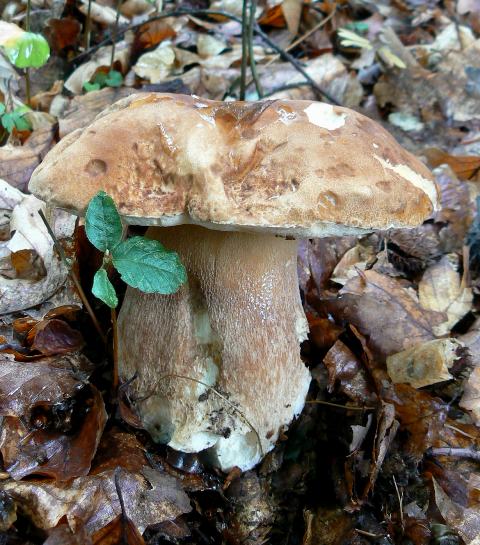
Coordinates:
x,y
236,327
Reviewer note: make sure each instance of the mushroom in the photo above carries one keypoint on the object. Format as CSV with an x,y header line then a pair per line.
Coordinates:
x,y
230,187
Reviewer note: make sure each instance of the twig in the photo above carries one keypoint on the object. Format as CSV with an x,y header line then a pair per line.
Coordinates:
x,y
251,54
177,13
221,396
346,407
115,348
243,67
368,534
73,276
119,492
456,452
400,501
88,23
114,34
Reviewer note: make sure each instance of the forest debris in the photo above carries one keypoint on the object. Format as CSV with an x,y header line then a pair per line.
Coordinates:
x,y
462,519
150,497
292,11
156,65
101,13
30,234
471,395
384,311
120,531
328,526
465,167
102,57
52,419
353,260
18,162
347,373
55,336
441,290
424,364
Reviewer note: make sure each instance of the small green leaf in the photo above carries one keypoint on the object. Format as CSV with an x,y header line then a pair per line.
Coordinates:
x,y
145,264
91,86
8,122
114,79
102,222
29,50
2,108
21,122
103,289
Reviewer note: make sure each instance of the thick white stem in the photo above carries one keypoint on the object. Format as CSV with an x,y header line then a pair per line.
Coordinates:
x,y
236,326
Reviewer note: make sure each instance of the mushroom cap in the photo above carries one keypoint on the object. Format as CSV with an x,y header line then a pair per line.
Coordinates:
x,y
301,168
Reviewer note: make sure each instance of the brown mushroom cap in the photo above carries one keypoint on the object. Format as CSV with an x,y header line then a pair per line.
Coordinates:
x,y
298,167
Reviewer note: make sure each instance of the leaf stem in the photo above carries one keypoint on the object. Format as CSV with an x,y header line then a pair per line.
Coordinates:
x,y
73,276
253,65
88,24
115,33
27,71
113,313
243,68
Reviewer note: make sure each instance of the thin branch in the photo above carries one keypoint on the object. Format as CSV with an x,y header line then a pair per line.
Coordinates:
x,y
456,452
243,67
88,24
221,396
114,34
73,276
346,407
257,30
251,54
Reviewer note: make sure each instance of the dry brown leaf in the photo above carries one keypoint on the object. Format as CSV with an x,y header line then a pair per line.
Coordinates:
x,y
92,501
465,521
62,535
347,373
441,290
43,100
55,336
120,531
62,33
101,13
466,167
18,162
424,364
385,312
353,260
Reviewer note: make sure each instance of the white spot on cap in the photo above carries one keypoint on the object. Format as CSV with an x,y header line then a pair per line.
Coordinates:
x,y
325,116
376,146
427,186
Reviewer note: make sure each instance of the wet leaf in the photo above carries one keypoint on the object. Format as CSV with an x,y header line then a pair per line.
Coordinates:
x,y
120,531
55,336
464,166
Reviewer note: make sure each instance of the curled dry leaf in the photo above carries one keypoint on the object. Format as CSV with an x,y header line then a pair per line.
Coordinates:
x,y
441,290
424,364
55,337
150,497
465,167
31,234
353,260
18,162
385,312
465,521
120,531
348,373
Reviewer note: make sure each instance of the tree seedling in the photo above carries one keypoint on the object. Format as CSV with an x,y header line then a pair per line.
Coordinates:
x,y
113,78
15,119
143,263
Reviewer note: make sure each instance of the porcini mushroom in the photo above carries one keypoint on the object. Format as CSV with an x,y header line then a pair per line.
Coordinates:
x,y
230,186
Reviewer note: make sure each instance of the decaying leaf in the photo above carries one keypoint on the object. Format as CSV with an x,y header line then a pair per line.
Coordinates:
x,y
355,259
31,234
465,167
464,520
55,337
120,531
424,364
92,501
292,11
441,290
385,312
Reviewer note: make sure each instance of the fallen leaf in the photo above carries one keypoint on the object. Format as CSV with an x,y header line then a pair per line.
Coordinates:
x,y
30,233
150,497
465,521
43,100
209,46
466,167
353,260
101,13
348,374
62,535
120,531
18,162
385,312
156,65
441,290
153,33
55,337
62,33
424,364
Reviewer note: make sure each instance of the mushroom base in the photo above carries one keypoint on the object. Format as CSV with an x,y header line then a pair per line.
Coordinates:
x,y
218,363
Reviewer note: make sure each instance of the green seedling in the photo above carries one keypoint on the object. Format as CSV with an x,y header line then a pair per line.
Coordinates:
x,y
143,263
112,79
23,49
15,119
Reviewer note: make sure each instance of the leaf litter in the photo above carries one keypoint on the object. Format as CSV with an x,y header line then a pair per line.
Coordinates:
x,y
394,344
